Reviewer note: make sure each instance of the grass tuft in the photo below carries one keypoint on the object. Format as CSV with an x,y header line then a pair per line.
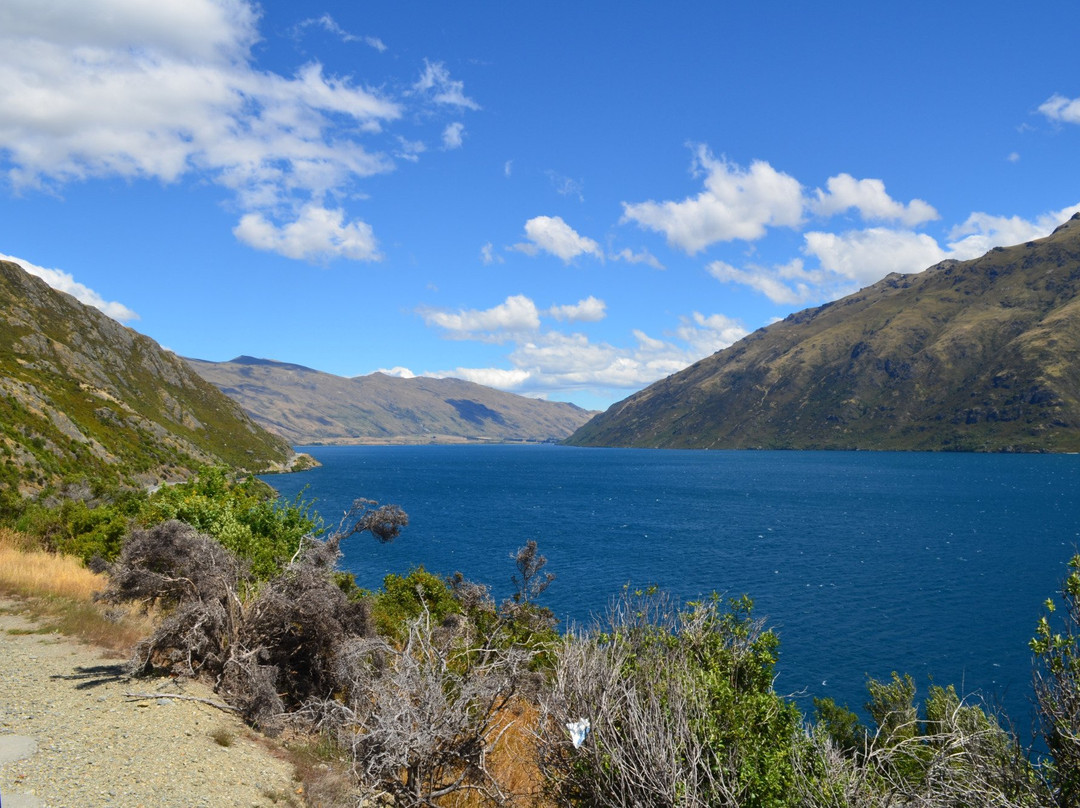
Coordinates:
x,y
60,590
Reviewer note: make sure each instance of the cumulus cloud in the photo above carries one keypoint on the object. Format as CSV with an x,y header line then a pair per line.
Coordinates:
x,y
436,82
64,282
514,315
869,198
858,258
553,235
737,203
589,310
544,361
981,231
169,90
1059,108
865,256
553,361
453,136
316,234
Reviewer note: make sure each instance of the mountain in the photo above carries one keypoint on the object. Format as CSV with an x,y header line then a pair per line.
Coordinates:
x,y
308,406
980,355
83,396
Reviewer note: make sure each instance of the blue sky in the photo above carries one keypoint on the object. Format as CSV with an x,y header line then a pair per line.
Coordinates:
x,y
569,200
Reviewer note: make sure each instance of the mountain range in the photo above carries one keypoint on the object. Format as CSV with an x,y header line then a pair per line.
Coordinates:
x,y
82,396
307,406
979,355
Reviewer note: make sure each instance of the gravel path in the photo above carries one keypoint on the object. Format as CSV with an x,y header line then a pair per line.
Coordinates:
x,y
70,738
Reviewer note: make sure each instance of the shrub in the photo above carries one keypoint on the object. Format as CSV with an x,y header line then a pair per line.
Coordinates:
x,y
1057,686
681,708
243,515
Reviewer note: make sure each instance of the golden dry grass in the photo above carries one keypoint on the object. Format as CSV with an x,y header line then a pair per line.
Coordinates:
x,y
60,589
512,762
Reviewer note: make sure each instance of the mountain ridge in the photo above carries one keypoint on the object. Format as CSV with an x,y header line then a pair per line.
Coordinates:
x,y
307,406
82,395
977,355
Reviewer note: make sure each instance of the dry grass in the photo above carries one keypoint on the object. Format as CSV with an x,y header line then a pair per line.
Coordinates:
x,y
512,762
60,590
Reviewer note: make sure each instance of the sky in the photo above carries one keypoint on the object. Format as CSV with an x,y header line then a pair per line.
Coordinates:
x,y
567,200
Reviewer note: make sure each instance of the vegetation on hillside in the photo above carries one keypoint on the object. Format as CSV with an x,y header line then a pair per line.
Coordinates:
x,y
84,398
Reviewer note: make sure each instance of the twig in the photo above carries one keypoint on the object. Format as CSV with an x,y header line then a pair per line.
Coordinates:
x,y
219,704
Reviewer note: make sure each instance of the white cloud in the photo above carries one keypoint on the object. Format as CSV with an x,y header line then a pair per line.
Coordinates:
x,y
508,168
737,203
399,372
317,234
453,136
869,198
1014,157
436,82
169,90
542,362
589,310
565,186
64,282
707,334
785,285
1059,108
643,257
488,256
514,315
329,24
981,232
866,256
552,235
858,258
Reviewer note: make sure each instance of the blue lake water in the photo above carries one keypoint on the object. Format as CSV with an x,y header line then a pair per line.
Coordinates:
x,y
863,562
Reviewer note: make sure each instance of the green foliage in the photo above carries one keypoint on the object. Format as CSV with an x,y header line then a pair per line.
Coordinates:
x,y
841,725
243,515
682,709
403,599
892,706
1056,646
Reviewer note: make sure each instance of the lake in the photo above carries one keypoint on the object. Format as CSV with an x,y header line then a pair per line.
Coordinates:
x,y
863,562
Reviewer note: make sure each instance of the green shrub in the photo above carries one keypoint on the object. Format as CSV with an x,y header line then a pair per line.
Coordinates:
x,y
403,599
244,515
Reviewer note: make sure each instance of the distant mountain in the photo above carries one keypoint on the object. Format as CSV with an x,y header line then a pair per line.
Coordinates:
x,y
83,396
980,355
308,406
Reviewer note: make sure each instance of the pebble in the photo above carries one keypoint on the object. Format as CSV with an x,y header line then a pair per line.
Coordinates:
x,y
84,744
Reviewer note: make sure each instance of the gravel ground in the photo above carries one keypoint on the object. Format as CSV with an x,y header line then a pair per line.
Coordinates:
x,y
70,738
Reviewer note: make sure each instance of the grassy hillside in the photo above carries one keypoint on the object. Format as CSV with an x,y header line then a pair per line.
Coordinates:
x,y
81,396
979,355
307,406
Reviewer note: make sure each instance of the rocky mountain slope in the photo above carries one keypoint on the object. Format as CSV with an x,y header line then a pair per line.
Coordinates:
x,y
83,396
307,406
980,355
